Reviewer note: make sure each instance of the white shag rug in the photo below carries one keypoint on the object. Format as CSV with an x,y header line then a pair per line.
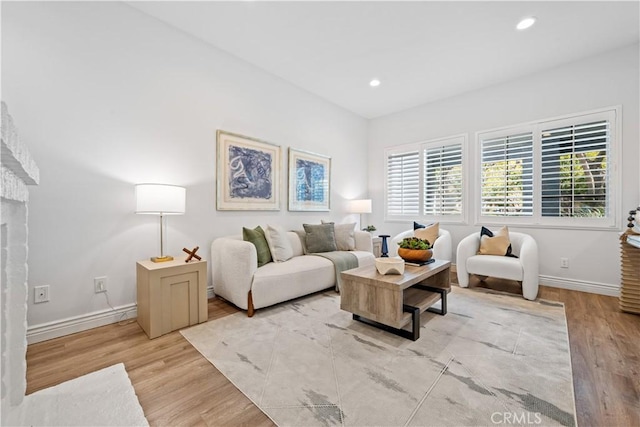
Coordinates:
x,y
102,398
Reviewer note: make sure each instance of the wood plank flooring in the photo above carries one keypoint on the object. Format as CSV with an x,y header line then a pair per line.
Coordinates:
x,y
177,386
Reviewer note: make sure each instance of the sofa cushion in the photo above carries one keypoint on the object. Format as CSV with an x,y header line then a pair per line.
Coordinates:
x,y
278,242
345,236
495,266
303,240
296,240
257,237
320,237
301,275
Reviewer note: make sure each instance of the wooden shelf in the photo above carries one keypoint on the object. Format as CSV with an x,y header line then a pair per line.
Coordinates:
x,y
418,298
630,277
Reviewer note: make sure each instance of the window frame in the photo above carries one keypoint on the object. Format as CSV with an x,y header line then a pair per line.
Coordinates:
x,y
420,147
611,221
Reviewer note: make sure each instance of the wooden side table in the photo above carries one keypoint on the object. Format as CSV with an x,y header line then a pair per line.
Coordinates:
x,y
171,295
630,276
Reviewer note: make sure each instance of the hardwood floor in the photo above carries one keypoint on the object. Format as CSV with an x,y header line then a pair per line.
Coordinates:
x,y
177,386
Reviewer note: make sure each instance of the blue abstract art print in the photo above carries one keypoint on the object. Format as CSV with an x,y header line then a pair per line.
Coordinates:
x,y
248,173
309,178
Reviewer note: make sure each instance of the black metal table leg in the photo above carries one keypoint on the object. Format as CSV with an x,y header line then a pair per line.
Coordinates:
x,y
443,298
413,334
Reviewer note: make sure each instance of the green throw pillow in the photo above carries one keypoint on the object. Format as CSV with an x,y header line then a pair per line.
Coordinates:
x,y
257,237
320,238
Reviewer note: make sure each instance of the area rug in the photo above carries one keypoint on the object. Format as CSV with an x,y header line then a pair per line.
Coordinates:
x,y
102,398
493,359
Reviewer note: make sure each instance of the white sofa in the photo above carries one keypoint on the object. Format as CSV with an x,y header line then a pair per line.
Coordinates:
x,y
238,279
442,248
523,269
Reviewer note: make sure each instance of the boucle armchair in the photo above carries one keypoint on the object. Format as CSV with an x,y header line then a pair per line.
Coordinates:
x,y
523,269
442,248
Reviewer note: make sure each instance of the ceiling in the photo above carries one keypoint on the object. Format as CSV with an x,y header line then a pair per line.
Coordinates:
x,y
420,51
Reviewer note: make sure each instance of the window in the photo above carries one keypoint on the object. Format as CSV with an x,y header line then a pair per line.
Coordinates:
x,y
403,183
574,170
425,180
553,172
443,180
507,175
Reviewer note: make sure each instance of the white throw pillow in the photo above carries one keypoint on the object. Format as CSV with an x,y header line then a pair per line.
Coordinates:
x,y
345,236
279,244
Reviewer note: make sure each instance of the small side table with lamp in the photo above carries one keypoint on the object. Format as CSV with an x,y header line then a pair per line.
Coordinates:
x,y
171,293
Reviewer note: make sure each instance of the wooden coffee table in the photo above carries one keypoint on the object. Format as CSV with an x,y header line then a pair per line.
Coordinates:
x,y
393,301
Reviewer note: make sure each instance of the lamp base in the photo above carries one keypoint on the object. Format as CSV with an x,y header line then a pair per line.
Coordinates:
x,y
161,258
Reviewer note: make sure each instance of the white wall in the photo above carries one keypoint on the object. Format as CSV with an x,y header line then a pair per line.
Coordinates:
x,y
107,97
607,80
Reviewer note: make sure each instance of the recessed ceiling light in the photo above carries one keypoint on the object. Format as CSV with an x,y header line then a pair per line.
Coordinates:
x,y
374,83
526,23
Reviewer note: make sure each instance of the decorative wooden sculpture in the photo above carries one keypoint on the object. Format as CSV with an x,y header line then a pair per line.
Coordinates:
x,y
192,254
630,271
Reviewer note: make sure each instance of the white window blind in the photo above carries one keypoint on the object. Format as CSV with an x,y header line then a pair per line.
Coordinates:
x,y
403,183
574,169
443,180
507,175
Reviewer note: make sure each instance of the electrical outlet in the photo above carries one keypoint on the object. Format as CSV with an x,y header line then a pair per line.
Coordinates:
x,y
40,294
564,262
100,284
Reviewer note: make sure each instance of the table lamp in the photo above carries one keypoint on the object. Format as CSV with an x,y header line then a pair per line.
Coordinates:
x,y
160,199
360,206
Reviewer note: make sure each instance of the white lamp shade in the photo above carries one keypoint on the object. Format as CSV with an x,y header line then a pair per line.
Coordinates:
x,y
360,206
160,199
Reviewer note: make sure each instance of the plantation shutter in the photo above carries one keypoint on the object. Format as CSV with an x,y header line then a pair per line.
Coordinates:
x,y
443,180
574,170
507,175
403,183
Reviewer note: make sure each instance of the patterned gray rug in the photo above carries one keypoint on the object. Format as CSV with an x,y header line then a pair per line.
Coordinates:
x,y
493,359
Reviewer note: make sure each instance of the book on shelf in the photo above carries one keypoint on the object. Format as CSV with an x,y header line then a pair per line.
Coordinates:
x,y
421,263
633,242
634,237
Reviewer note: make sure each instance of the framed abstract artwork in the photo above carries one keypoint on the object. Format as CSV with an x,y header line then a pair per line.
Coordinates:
x,y
248,173
309,181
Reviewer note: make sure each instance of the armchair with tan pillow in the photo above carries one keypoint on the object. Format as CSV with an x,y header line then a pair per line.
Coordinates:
x,y
504,254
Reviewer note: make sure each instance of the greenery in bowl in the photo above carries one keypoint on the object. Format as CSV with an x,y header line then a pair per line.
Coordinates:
x,y
369,228
414,243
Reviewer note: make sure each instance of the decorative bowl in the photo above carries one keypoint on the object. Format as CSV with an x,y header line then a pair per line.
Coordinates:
x,y
390,265
415,255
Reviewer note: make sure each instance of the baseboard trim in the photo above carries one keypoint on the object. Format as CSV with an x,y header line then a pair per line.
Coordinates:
x,y
71,325
60,328
574,285
580,285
